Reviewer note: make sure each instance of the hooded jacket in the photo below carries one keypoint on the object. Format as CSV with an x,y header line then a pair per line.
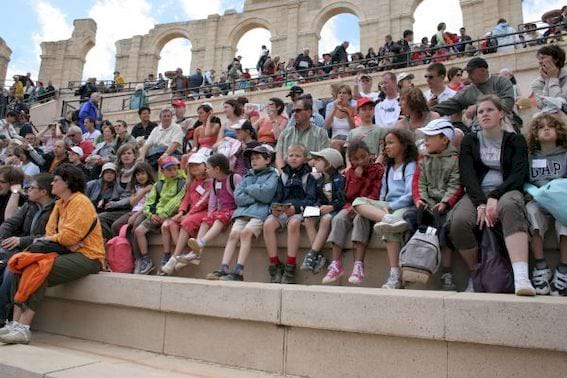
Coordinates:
x,y
437,178
169,197
338,198
551,87
368,185
256,193
293,191
555,166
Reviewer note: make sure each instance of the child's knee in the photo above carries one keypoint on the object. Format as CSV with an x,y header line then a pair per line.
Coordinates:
x,y
271,224
246,235
234,235
140,231
294,224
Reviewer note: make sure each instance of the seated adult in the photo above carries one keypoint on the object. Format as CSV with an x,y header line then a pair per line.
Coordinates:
x,y
270,127
50,161
166,139
416,115
22,160
552,80
103,152
191,138
122,135
304,132
145,126
73,224
11,180
494,166
75,138
75,156
92,134
19,231
125,161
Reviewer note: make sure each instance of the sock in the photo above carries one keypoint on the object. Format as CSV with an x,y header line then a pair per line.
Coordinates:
x,y
291,260
202,243
224,268
274,260
520,270
562,268
540,264
238,269
395,271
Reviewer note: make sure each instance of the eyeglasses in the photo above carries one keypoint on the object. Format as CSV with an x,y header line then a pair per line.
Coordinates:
x,y
33,187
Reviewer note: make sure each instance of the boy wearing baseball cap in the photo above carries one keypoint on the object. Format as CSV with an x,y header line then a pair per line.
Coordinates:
x,y
437,188
367,132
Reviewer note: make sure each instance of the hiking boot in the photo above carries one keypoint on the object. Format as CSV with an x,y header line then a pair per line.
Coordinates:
x,y
216,275
335,272
276,272
7,328
391,225
320,262
524,287
186,259
169,268
447,282
146,265
232,276
289,274
394,281
540,280
357,275
309,261
194,246
559,284
19,334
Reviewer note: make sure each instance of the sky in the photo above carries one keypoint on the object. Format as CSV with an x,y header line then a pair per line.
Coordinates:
x,y
52,20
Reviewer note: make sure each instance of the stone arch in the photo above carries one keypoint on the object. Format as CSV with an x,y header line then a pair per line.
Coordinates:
x,y
167,35
333,9
245,26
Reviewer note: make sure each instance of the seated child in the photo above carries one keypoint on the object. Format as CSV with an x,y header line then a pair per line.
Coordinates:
x,y
162,202
395,198
253,198
192,210
547,143
330,200
297,189
363,179
437,188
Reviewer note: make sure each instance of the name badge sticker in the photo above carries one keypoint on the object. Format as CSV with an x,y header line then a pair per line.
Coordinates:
x,y
539,163
200,190
328,187
218,185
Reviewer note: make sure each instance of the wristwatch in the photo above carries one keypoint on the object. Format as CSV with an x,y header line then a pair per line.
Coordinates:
x,y
15,191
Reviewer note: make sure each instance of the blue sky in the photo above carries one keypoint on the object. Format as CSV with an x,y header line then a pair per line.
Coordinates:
x,y
49,20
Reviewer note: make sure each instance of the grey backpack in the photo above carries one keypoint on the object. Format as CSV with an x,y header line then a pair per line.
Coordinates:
x,y
421,256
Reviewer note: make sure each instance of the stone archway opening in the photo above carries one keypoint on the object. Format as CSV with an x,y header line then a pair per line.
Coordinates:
x,y
249,46
174,54
428,14
340,27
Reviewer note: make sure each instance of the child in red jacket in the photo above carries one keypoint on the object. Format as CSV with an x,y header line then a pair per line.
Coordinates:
x,y
363,179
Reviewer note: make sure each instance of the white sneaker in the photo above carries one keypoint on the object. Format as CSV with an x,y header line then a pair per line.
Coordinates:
x,y
169,267
470,286
391,225
524,287
20,334
7,328
393,282
194,246
186,259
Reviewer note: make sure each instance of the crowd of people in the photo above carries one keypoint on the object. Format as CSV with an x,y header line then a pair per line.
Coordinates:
x,y
386,160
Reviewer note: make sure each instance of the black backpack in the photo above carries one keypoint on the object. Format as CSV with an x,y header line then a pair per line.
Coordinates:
x,y
494,273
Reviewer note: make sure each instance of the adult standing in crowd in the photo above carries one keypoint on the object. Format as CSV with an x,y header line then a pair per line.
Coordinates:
x,y
145,126
195,83
90,109
387,111
340,54
74,225
179,84
165,140
494,166
303,62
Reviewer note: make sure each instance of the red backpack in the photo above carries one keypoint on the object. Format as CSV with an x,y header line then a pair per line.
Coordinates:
x,y
119,253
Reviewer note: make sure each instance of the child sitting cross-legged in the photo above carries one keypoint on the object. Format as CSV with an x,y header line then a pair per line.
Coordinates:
x,y
253,198
330,200
297,190
363,179
161,204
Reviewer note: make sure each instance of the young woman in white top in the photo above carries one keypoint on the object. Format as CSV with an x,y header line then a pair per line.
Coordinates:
x,y
341,118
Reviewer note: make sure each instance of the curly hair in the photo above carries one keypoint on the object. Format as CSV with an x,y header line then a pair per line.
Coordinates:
x,y
415,100
550,121
407,140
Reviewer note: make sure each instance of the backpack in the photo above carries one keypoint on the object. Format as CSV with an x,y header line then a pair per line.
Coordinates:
x,y
421,256
119,253
159,188
494,273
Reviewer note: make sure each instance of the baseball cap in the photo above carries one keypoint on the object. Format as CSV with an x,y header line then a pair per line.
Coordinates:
x,y
78,150
295,90
363,101
106,167
439,126
404,76
168,161
197,158
263,149
333,156
177,103
476,62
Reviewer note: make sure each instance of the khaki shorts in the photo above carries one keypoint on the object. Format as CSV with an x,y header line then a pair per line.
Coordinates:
x,y
253,225
150,226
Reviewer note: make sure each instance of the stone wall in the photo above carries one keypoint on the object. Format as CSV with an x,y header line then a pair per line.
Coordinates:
x,y
5,54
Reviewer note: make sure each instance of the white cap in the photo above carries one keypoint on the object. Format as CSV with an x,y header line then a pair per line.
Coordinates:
x,y
108,166
405,75
197,158
439,126
78,150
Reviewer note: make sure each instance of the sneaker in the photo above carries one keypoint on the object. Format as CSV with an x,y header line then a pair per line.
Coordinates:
x,y
524,287
186,259
357,275
540,280
470,286
19,334
137,266
232,277
146,265
559,284
169,267
165,258
391,225
394,281
335,272
276,272
194,246
216,275
320,262
288,276
447,282
8,327
309,261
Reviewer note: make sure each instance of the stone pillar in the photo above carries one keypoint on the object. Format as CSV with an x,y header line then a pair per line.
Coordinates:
x,y
211,43
292,28
198,58
5,54
368,31
308,40
131,73
399,23
474,17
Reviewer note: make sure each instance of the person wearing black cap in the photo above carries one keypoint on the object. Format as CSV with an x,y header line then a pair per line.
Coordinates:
x,y
481,83
294,94
246,135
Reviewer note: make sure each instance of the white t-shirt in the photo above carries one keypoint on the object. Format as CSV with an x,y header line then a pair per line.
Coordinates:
x,y
165,137
387,112
92,137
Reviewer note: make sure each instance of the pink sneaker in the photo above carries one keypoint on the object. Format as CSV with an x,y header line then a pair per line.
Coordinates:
x,y
357,275
335,272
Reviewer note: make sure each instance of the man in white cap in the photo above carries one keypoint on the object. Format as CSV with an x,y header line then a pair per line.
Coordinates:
x,y
363,87
75,156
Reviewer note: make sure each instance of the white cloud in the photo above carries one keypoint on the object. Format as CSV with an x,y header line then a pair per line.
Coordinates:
x,y
116,19
250,45
201,10
332,35
429,14
176,53
534,9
